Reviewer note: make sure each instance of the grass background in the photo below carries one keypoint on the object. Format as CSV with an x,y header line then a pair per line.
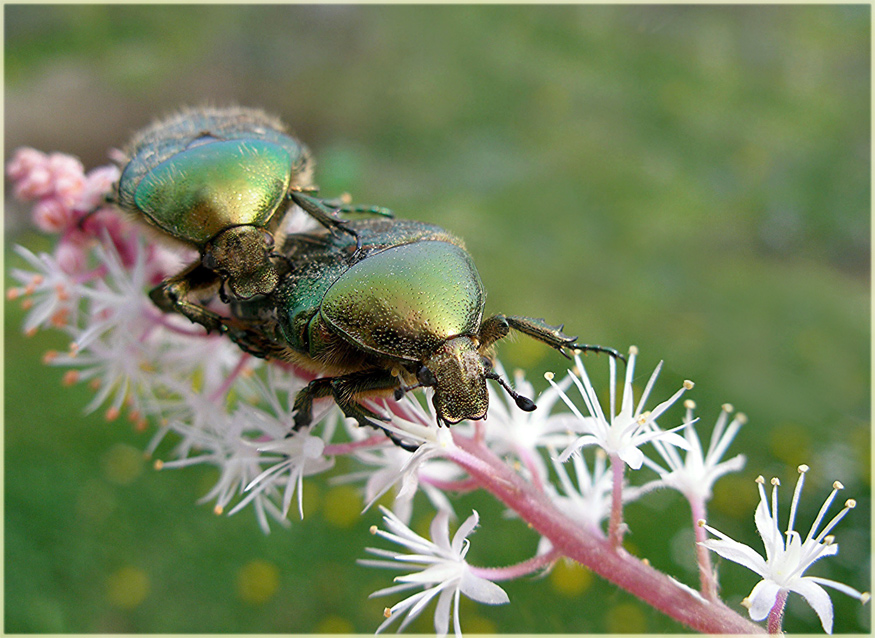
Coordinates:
x,y
693,180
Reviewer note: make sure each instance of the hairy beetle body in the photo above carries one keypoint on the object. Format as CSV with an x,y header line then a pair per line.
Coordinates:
x,y
220,180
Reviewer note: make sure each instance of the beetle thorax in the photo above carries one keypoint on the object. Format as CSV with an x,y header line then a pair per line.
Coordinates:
x,y
460,385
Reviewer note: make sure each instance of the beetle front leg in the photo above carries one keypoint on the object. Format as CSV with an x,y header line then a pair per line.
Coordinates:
x,y
498,326
172,295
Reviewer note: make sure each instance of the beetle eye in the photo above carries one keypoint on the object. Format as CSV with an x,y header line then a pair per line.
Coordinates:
x,y
209,260
487,363
426,377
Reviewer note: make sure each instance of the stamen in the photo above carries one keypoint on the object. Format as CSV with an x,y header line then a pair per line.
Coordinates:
x,y
797,493
849,505
775,483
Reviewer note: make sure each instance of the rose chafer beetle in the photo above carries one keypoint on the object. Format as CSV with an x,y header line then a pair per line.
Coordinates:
x,y
401,310
221,180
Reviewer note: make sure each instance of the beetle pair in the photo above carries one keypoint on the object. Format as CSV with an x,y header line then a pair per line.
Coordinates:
x,y
379,305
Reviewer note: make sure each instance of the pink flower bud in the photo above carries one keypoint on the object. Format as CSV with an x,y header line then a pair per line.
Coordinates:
x,y
71,258
24,161
35,184
51,215
63,164
99,183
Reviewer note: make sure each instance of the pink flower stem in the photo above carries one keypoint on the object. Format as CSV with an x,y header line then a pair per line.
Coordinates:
x,y
532,467
340,449
595,553
776,616
708,584
459,487
615,525
220,392
534,564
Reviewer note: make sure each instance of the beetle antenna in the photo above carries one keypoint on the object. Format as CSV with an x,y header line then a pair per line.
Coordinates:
x,y
523,403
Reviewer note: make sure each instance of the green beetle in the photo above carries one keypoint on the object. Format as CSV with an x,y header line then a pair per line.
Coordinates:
x,y
221,180
403,310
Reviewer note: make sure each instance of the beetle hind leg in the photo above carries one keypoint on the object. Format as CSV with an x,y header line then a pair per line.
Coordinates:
x,y
322,212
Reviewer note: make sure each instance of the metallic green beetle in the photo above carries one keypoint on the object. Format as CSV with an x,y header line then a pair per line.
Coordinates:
x,y
403,310
220,180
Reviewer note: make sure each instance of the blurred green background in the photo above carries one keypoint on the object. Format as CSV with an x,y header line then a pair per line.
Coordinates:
x,y
693,180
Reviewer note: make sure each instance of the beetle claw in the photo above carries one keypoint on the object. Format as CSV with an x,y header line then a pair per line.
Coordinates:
x,y
582,347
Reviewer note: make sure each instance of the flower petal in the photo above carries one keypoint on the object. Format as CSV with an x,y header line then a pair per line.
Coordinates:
x,y
762,598
482,590
631,456
464,530
442,613
738,553
816,596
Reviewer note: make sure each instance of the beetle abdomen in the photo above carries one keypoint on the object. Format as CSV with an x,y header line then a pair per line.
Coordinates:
x,y
405,301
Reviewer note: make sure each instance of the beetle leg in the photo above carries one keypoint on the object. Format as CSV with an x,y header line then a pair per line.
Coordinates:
x,y
497,327
251,341
345,389
108,200
343,205
173,296
491,330
319,211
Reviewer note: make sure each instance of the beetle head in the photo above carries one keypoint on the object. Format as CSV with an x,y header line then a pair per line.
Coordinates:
x,y
241,255
457,372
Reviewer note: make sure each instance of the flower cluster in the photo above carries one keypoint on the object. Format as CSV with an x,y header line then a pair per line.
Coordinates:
x,y
217,405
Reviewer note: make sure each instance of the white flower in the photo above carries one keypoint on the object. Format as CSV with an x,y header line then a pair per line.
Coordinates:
x,y
694,475
626,430
515,432
51,294
413,425
391,466
238,461
442,571
786,561
299,455
588,502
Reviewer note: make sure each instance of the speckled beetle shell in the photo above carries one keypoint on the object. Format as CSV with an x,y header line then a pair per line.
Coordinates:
x,y
203,171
